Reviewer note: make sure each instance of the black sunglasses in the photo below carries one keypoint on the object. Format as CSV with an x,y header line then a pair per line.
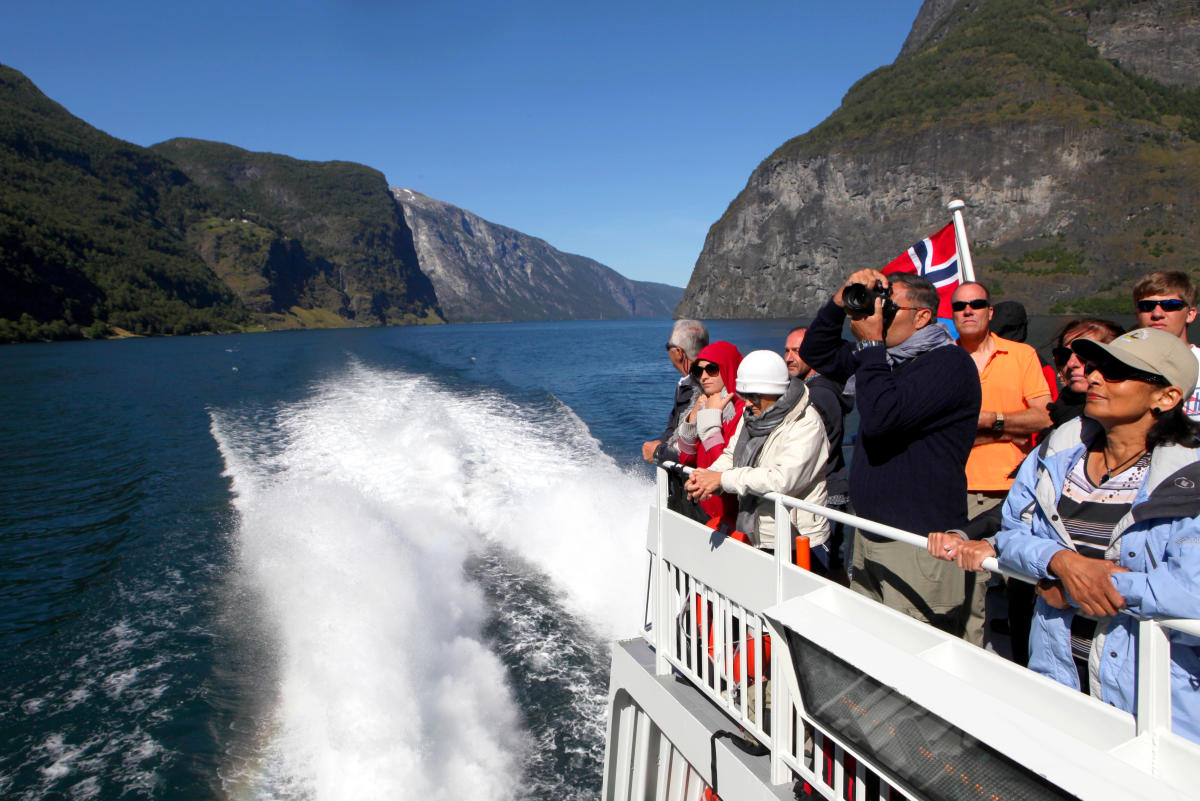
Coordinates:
x,y
1062,354
672,346
1113,370
1168,305
712,368
977,303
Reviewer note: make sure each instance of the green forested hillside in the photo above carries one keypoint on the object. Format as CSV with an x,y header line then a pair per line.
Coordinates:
x,y
91,231
320,235
1016,58
100,236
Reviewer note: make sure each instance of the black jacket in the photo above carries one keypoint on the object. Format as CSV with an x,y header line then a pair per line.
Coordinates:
x,y
832,405
684,392
917,426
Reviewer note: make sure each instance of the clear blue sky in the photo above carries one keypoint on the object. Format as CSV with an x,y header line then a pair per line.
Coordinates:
x,y
618,130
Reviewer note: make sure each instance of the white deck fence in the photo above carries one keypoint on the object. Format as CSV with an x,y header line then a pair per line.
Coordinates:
x,y
728,617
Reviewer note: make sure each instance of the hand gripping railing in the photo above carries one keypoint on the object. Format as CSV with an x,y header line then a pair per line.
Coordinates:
x,y
687,604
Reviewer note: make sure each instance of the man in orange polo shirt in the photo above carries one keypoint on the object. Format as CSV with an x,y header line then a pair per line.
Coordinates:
x,y
1015,397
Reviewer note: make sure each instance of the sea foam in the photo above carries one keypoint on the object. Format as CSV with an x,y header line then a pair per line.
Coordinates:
x,y
359,509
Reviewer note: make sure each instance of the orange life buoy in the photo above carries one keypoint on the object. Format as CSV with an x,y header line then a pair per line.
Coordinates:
x,y
737,649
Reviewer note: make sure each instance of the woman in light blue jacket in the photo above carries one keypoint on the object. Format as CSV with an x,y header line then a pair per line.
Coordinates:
x,y
1104,512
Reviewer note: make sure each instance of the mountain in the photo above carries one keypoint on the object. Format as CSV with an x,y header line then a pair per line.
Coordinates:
x,y
91,231
486,272
310,242
1071,130
101,236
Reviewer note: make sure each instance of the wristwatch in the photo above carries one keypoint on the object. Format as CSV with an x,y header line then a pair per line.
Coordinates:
x,y
998,425
867,343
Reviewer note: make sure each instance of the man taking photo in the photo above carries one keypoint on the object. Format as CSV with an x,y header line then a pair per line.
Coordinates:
x,y
918,398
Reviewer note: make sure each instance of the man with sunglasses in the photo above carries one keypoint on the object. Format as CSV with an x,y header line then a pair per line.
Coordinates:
x,y
918,402
1166,300
1014,407
688,338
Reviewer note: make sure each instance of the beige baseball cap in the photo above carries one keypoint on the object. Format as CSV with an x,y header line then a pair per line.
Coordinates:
x,y
1149,350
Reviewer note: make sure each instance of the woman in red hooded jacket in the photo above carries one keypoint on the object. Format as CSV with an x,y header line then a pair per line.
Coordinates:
x,y
712,419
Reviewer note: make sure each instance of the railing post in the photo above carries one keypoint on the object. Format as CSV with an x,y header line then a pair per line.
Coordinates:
x,y
781,705
1154,679
661,606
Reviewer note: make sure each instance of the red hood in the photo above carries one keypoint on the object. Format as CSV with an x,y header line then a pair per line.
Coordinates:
x,y
726,356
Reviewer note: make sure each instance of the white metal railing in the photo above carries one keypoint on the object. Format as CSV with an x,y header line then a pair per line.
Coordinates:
x,y
706,599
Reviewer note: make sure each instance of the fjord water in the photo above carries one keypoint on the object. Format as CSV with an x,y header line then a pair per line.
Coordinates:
x,y
370,563
354,564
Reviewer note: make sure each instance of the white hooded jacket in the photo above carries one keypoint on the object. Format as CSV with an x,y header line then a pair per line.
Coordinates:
x,y
792,462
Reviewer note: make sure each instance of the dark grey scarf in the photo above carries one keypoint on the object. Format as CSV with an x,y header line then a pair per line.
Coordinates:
x,y
923,340
755,430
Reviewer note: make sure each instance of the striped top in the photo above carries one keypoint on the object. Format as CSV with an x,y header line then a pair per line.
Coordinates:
x,y
1089,514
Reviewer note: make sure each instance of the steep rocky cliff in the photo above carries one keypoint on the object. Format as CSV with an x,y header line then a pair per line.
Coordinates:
x,y
486,272
1070,129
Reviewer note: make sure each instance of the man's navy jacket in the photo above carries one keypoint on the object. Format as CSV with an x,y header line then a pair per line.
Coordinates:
x,y
916,428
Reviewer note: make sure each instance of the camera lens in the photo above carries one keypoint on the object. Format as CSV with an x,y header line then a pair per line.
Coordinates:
x,y
858,299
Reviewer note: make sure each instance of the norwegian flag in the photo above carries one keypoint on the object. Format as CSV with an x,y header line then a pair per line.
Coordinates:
x,y
935,258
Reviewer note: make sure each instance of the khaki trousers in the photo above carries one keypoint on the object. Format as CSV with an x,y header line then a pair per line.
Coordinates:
x,y
909,580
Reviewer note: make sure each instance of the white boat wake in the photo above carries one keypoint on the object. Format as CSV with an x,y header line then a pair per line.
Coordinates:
x,y
423,559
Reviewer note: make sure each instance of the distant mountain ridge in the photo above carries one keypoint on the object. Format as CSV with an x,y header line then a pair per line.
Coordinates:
x,y
485,272
1071,130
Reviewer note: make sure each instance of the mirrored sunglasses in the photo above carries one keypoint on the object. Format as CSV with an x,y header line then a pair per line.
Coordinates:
x,y
1168,305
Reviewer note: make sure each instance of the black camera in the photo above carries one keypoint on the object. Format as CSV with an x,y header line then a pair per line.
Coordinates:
x,y
859,300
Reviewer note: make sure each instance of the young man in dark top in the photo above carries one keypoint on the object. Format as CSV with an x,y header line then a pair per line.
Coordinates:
x,y
918,399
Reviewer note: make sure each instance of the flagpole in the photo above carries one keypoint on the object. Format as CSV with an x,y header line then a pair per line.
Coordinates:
x,y
960,239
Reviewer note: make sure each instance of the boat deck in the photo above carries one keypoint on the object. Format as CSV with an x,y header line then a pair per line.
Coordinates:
x,y
688,721
875,705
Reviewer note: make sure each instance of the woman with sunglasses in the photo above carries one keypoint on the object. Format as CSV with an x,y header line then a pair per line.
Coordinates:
x,y
713,417
1070,369
1104,514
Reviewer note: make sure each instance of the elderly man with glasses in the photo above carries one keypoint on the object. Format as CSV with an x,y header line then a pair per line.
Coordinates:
x,y
1166,300
688,338
1015,401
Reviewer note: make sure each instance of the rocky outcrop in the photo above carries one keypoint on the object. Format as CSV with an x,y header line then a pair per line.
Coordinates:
x,y
932,22
1077,180
1159,39
485,272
